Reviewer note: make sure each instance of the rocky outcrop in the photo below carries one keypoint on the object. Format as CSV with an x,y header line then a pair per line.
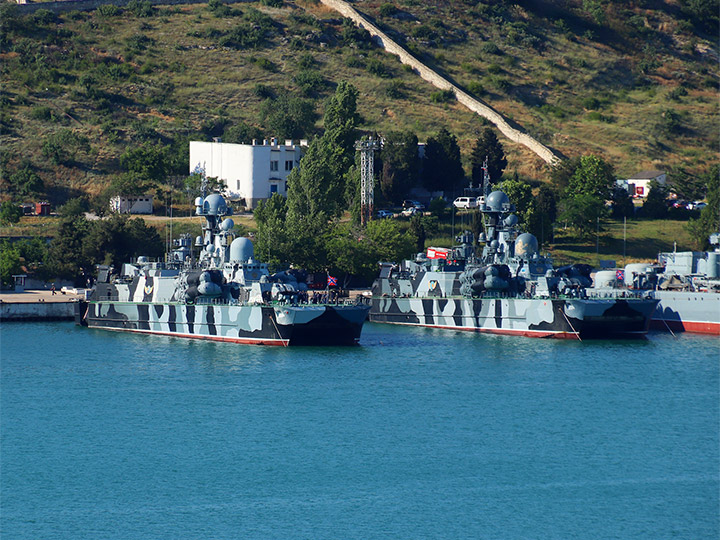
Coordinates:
x,y
472,103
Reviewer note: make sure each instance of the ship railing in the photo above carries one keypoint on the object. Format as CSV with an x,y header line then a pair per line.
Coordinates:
x,y
111,298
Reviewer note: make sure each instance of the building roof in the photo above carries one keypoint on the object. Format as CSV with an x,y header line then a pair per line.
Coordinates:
x,y
646,175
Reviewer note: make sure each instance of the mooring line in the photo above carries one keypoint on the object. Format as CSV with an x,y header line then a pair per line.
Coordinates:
x,y
562,310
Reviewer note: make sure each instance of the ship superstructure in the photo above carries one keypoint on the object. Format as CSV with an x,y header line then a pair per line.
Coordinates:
x,y
223,295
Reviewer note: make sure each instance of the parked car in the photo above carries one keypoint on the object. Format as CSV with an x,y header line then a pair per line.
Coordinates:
x,y
410,211
699,205
407,203
465,202
382,214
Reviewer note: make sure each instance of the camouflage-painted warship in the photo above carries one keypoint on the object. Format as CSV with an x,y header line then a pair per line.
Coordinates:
x,y
508,289
687,284
224,295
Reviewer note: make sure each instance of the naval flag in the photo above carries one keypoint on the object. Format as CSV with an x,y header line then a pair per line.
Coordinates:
x,y
331,281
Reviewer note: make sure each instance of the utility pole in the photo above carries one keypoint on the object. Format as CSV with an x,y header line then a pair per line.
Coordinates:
x,y
367,183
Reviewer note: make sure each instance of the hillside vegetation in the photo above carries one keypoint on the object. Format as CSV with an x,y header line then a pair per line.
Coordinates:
x,y
634,82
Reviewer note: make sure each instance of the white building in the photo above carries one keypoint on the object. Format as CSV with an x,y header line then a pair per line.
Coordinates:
x,y
639,184
132,205
251,171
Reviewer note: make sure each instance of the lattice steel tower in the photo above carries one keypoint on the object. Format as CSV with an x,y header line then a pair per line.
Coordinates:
x,y
367,183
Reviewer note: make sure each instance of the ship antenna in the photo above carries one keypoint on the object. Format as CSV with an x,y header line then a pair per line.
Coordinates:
x,y
486,178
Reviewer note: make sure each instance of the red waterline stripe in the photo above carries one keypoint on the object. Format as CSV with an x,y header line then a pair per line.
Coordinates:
x,y
698,327
244,341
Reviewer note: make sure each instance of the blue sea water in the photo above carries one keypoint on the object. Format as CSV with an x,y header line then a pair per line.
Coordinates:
x,y
417,433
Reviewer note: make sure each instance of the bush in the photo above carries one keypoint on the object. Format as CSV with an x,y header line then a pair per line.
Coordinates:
x,y
442,96
490,48
377,68
62,147
474,87
387,10
108,10
309,81
140,8
395,90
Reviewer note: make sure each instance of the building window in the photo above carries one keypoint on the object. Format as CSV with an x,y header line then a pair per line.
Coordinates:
x,y
289,165
273,188
273,165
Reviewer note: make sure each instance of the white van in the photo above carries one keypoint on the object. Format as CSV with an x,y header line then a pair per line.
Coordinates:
x,y
465,202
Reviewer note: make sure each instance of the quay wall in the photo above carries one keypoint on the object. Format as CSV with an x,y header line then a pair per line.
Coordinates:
x,y
36,311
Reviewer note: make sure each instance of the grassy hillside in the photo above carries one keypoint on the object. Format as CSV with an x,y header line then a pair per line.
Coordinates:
x,y
635,82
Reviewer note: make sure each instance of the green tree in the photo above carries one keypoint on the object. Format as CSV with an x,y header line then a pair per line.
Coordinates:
x,y
73,208
66,256
709,221
520,194
25,181
593,176
487,146
318,185
655,205
288,117
622,205
271,242
561,173
10,263
118,240
442,166
10,213
541,221
582,213
147,164
400,165
62,147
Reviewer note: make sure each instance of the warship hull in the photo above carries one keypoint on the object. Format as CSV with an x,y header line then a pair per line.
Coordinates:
x,y
530,317
685,311
281,325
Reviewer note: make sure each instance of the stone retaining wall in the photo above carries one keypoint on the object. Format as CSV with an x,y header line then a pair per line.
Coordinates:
x,y
437,80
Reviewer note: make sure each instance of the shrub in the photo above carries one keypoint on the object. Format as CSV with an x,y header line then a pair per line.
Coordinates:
x,y
377,68
490,48
43,16
108,10
309,81
140,8
62,146
306,61
395,90
272,3
442,96
264,91
387,10
474,87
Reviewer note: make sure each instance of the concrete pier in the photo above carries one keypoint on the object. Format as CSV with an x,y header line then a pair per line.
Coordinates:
x,y
38,305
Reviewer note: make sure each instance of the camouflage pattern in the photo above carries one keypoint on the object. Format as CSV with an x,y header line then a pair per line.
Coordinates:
x,y
421,300
253,324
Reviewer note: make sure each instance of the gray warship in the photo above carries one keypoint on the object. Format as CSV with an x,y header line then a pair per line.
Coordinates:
x,y
686,283
510,288
224,295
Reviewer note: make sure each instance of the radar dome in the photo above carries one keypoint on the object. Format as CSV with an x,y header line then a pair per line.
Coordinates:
x,y
214,205
511,220
526,245
241,250
496,200
227,224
